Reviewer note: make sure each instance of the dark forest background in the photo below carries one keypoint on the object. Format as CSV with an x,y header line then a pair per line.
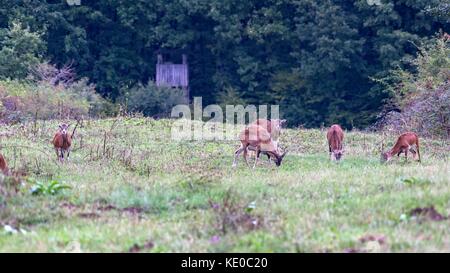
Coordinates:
x,y
318,59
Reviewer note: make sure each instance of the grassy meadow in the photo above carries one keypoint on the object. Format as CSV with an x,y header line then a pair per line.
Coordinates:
x,y
133,189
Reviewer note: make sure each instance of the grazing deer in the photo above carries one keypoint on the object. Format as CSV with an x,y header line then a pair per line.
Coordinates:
x,y
258,139
3,165
62,141
335,136
403,144
273,126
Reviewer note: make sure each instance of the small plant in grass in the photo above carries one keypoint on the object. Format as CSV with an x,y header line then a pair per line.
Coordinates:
x,y
232,215
414,181
47,188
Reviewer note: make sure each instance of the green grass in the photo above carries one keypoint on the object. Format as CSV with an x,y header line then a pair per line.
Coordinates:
x,y
185,197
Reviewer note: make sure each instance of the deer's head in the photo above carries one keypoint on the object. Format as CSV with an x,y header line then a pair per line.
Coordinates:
x,y
385,157
337,154
277,158
278,123
63,128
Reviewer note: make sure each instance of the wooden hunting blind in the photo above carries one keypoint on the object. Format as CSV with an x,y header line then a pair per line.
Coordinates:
x,y
173,75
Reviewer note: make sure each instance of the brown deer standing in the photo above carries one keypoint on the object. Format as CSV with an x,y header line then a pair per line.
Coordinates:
x,y
258,139
403,145
335,136
62,141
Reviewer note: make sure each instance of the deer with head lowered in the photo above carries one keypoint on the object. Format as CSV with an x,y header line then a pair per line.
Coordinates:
x,y
335,136
404,143
273,127
257,138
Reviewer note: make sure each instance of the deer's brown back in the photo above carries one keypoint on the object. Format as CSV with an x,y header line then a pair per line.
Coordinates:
x,y
335,136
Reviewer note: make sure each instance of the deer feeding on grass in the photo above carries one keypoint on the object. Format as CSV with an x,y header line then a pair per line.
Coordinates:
x,y
257,138
335,136
405,143
273,127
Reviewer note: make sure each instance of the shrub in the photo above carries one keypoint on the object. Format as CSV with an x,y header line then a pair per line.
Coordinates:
x,y
152,100
98,106
39,101
20,48
40,98
422,98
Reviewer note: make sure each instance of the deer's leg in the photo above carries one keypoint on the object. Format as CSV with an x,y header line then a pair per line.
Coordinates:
x,y
57,153
245,156
418,152
276,148
332,156
60,155
406,155
257,153
237,153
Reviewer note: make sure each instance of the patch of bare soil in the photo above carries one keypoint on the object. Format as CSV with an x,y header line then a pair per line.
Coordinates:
x,y
69,206
369,243
89,215
133,210
427,213
138,248
96,210
381,239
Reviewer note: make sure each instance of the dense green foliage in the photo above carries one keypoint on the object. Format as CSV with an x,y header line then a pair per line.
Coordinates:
x,y
20,49
420,100
314,57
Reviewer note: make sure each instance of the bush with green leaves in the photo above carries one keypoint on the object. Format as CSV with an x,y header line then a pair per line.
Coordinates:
x,y
21,101
152,100
421,99
25,101
98,106
20,48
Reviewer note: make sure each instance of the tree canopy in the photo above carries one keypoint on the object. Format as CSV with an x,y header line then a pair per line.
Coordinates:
x,y
315,58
